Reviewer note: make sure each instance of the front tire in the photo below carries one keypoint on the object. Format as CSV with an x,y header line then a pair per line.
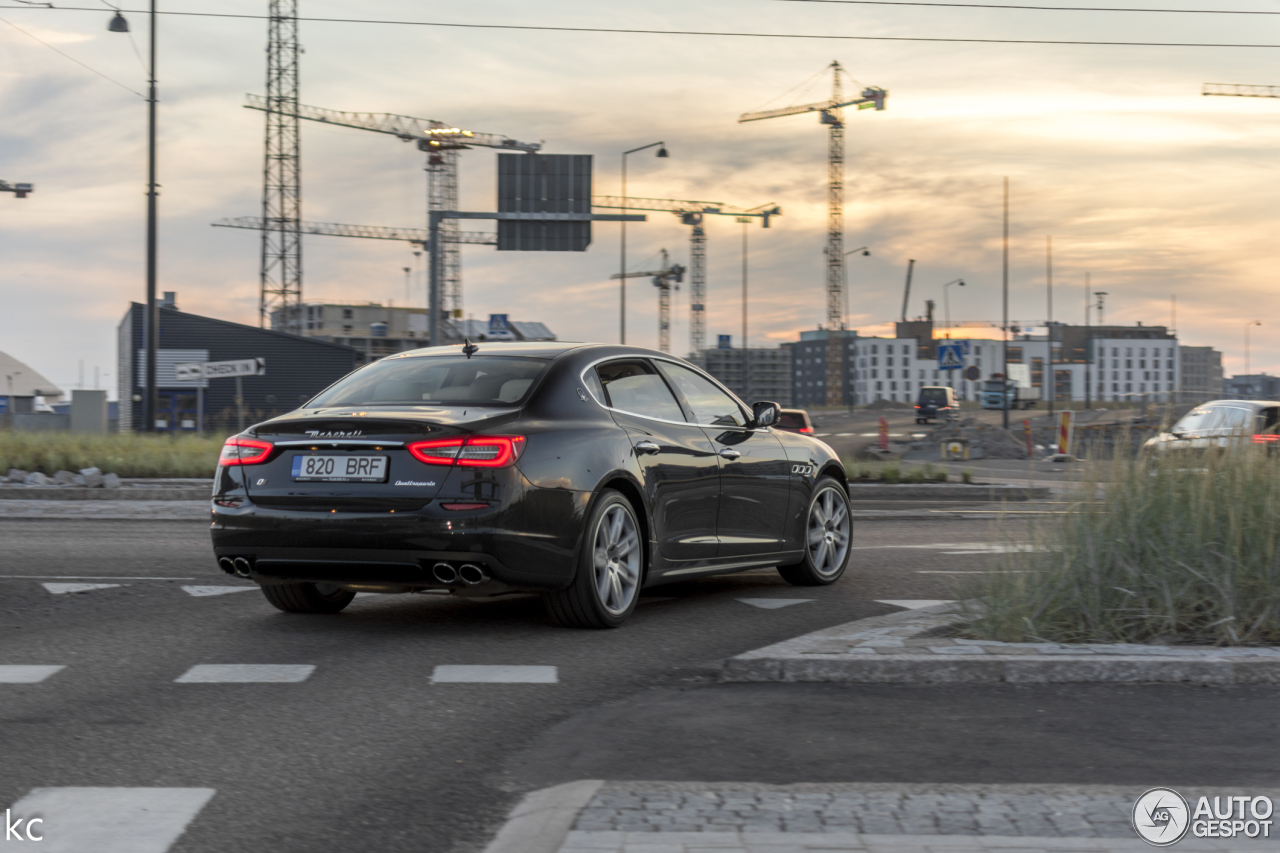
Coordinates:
x,y
308,597
828,536
606,586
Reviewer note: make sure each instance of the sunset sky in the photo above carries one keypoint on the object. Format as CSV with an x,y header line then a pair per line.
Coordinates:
x,y
1112,150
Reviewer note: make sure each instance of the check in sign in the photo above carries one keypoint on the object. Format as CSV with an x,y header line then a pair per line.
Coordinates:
x,y
192,371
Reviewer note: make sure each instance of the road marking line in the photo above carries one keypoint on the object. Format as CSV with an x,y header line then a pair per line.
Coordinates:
x,y
26,673
201,591
110,820
88,578
246,673
773,603
495,674
914,603
64,588
983,572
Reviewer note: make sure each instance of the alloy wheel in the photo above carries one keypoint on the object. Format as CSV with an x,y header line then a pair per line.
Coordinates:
x,y
829,532
617,559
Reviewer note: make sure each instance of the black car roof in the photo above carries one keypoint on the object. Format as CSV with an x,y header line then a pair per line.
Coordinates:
x,y
532,349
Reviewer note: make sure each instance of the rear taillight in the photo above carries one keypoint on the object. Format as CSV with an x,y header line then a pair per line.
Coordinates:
x,y
806,429
477,451
244,451
1266,438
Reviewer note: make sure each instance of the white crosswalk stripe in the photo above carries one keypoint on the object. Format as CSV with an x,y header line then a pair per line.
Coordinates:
x,y
202,591
773,603
26,673
107,820
495,674
64,588
246,673
913,603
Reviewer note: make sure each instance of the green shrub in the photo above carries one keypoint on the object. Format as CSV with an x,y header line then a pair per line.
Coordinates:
x,y
1179,549
126,454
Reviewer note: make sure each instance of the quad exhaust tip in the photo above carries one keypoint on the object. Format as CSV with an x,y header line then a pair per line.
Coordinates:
x,y
472,574
468,573
243,568
227,565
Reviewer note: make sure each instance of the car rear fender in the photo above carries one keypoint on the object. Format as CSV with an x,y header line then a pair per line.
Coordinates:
x,y
625,484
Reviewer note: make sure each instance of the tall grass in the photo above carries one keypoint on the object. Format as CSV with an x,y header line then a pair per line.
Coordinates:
x,y
1184,548
126,454
891,471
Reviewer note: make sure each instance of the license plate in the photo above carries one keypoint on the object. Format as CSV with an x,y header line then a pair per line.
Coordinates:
x,y
340,469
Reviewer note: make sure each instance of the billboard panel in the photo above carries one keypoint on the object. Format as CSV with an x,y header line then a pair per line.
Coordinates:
x,y
544,183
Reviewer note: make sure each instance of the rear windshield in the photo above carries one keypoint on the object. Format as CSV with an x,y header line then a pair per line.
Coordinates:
x,y
933,395
438,381
791,420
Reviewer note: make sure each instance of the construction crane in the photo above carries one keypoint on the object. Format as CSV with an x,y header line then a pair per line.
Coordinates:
x,y
831,113
417,236
1241,90
666,279
441,141
18,190
692,213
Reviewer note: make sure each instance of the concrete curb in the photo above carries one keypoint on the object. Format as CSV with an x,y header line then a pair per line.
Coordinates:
x,y
848,654
987,493
126,493
541,821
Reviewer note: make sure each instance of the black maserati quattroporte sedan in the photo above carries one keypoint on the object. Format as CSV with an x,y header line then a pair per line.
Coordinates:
x,y
580,471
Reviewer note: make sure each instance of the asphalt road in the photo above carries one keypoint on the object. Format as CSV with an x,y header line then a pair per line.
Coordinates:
x,y
369,753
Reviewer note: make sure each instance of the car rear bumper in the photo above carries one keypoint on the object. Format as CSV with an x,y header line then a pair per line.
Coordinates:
x,y
520,544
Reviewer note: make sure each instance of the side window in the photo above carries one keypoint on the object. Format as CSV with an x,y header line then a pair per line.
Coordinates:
x,y
1234,419
634,386
592,382
709,405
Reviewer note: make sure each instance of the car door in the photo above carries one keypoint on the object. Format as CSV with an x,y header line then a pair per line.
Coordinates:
x,y
755,473
677,462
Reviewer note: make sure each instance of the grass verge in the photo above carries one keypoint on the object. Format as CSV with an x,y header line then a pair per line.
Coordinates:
x,y
126,454
1182,549
892,471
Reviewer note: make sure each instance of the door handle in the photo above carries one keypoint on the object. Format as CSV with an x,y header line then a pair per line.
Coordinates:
x,y
646,447
730,453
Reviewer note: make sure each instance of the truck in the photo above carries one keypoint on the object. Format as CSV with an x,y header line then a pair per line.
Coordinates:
x,y
1001,393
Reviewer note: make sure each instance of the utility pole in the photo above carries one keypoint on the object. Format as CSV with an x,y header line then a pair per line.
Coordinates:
x,y
1004,349
1088,343
746,351
281,266
1048,270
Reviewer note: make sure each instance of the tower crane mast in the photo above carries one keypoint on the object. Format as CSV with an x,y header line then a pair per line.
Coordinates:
x,y
665,279
831,113
441,141
692,213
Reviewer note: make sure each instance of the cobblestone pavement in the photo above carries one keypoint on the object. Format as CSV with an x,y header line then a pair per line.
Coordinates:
x,y
112,510
659,817
912,647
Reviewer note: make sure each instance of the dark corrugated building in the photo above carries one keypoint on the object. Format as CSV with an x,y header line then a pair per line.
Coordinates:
x,y
296,370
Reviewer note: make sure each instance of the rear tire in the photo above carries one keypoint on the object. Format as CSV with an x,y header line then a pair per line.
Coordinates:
x,y
308,597
606,585
828,537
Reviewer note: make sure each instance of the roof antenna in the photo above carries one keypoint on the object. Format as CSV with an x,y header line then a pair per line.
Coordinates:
x,y
468,348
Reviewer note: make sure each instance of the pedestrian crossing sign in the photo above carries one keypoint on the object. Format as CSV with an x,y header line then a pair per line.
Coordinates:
x,y
950,356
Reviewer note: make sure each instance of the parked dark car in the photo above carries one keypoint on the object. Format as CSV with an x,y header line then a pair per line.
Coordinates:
x,y
795,420
936,402
1222,423
583,472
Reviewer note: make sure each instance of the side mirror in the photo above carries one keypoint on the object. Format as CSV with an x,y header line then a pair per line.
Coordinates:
x,y
764,414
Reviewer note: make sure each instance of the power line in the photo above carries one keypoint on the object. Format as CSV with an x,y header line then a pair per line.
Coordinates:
x,y
727,34
1034,8
66,55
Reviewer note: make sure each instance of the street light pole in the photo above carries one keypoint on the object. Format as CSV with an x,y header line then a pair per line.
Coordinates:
x,y
151,319
946,313
1048,269
622,281
1004,348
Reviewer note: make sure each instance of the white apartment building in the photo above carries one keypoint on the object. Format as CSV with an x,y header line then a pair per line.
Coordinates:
x,y
1121,368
